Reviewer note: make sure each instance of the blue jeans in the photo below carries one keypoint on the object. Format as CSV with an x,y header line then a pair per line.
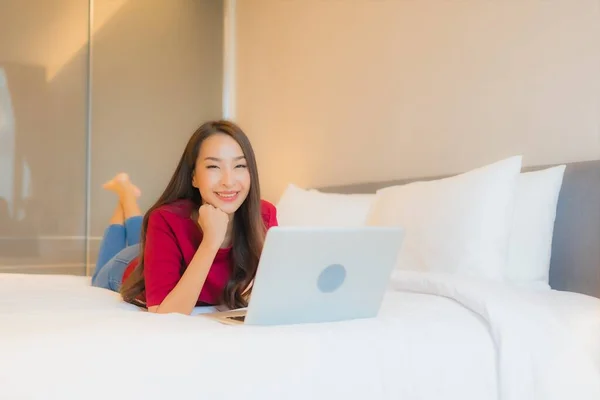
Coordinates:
x,y
119,246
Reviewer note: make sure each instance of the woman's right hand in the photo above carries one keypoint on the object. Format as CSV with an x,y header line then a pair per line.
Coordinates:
x,y
213,223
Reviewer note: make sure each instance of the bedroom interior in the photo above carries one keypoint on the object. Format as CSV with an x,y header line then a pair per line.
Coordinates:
x,y
475,125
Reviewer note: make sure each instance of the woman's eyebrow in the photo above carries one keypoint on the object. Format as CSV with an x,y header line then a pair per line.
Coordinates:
x,y
218,159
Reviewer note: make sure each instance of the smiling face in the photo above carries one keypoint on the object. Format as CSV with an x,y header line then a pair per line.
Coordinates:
x,y
221,173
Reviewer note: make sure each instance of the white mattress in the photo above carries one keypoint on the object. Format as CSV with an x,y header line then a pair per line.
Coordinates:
x,y
434,338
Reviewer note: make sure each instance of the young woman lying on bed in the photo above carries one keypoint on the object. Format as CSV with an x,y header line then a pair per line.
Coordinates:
x,y
200,243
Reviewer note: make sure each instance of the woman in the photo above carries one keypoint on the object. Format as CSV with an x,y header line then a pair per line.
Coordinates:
x,y
200,243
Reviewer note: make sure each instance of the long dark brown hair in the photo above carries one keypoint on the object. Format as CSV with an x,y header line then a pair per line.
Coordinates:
x,y
248,227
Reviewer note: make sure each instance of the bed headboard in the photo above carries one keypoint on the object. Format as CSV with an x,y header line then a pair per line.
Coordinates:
x,y
575,263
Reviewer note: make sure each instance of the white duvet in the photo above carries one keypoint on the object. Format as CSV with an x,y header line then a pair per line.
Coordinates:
x,y
437,337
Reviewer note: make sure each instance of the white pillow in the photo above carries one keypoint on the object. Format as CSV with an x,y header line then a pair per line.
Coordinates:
x,y
459,224
301,207
533,227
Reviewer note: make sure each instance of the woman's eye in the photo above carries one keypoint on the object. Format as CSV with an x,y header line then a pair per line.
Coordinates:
x,y
211,166
241,166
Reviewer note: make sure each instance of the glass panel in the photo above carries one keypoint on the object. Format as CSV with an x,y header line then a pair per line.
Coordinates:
x,y
156,75
43,123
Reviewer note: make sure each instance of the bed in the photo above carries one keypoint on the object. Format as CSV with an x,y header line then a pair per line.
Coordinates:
x,y
438,335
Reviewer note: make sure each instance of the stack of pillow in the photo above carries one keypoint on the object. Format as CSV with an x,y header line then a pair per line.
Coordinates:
x,y
493,222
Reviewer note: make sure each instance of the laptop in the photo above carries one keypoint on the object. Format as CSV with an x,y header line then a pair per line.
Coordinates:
x,y
316,274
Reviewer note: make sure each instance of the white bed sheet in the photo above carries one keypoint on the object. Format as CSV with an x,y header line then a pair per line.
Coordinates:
x,y
61,338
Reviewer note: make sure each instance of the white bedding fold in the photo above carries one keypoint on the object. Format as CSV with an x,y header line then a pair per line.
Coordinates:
x,y
538,357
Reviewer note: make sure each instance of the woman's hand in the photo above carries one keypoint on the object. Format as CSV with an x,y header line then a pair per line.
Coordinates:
x,y
213,223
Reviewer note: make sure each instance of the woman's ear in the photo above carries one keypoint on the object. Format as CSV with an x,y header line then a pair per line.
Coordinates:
x,y
194,180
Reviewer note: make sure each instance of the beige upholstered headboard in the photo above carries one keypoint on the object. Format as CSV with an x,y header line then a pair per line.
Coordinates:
x,y
575,263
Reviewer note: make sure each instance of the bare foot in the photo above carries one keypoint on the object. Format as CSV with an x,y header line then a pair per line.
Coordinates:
x,y
120,184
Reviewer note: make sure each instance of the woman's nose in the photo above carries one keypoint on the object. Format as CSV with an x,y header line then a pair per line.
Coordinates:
x,y
227,178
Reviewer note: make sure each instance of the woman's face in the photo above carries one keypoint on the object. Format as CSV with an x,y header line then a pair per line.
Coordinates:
x,y
221,174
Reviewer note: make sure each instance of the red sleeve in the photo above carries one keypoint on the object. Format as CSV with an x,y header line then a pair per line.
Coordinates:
x,y
162,260
269,214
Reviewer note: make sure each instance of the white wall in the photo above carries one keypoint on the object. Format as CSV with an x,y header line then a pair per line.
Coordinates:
x,y
336,92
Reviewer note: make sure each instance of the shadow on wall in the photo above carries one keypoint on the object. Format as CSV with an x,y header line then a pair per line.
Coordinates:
x,y
23,125
44,183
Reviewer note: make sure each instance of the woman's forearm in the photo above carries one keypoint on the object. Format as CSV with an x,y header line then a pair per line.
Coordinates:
x,y
184,295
